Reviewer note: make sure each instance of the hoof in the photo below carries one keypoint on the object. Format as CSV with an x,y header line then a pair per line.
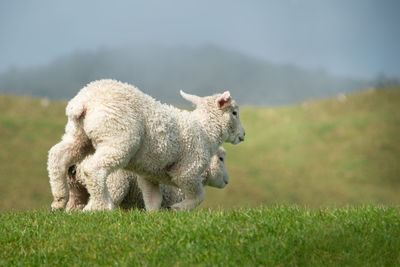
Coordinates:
x,y
58,204
167,209
53,209
77,207
93,206
176,208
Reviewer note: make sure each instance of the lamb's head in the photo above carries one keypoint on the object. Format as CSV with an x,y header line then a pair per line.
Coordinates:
x,y
216,175
223,111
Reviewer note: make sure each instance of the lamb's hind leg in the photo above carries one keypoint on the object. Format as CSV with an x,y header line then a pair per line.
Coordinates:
x,y
61,156
151,194
107,158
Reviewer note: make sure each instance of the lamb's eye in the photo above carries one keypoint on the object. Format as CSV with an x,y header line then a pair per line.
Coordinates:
x,y
234,113
221,159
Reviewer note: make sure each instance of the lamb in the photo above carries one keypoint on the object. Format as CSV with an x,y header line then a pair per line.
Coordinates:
x,y
125,192
129,129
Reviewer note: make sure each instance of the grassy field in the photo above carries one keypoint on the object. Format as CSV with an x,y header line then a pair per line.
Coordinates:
x,y
319,153
287,203
274,236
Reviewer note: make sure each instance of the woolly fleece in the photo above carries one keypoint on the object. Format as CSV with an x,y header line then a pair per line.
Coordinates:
x,y
126,194
129,129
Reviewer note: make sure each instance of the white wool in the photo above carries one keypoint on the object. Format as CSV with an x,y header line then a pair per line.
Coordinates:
x,y
126,128
125,193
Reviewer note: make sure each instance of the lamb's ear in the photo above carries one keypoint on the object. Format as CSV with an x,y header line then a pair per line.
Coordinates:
x,y
224,100
191,98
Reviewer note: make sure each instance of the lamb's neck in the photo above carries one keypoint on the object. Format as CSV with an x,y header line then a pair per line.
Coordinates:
x,y
211,125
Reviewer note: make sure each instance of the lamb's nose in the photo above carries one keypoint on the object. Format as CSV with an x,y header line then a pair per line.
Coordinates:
x,y
241,139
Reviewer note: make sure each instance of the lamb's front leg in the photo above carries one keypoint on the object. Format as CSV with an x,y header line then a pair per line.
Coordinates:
x,y
194,194
151,194
78,194
78,198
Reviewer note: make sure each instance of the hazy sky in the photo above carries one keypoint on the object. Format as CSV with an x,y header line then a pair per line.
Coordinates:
x,y
347,37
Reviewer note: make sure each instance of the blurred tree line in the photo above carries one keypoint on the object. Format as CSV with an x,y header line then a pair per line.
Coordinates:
x,y
162,71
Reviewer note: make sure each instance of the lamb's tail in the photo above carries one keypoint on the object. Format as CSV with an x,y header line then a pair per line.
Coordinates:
x,y
76,109
76,112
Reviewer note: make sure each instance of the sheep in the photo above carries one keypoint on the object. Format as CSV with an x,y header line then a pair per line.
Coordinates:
x,y
125,192
129,129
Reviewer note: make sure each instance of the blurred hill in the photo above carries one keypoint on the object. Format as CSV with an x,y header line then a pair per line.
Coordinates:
x,y
343,150
162,71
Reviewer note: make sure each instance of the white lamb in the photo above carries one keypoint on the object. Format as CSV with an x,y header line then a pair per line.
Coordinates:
x,y
129,129
124,190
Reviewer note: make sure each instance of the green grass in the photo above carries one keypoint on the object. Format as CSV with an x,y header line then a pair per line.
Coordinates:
x,y
279,235
321,154
318,153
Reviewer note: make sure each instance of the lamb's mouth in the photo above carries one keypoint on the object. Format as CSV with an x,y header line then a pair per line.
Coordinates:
x,y
238,139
